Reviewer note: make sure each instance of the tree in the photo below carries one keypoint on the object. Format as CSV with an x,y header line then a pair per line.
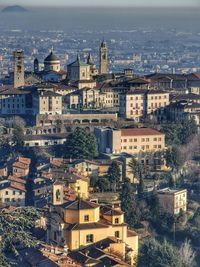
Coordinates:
x,y
94,180
16,230
156,254
81,145
187,131
114,175
18,136
180,133
187,254
174,158
129,203
103,184
138,172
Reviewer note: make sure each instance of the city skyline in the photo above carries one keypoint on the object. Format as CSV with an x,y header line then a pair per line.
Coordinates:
x,y
102,3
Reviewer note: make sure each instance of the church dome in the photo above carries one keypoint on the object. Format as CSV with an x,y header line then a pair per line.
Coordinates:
x,y
51,57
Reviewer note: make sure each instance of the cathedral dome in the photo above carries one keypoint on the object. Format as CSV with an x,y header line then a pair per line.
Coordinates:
x,y
51,58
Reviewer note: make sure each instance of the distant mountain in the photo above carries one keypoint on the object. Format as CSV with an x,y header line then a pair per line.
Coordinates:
x,y
15,9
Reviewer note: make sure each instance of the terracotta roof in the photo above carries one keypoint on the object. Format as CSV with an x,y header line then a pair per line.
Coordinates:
x,y
16,179
79,204
139,132
18,187
21,165
24,160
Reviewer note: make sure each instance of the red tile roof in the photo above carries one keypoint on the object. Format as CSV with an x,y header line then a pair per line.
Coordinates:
x,y
139,132
16,179
24,160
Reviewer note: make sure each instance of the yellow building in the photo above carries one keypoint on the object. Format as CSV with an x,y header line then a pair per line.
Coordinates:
x,y
80,223
172,201
95,167
78,183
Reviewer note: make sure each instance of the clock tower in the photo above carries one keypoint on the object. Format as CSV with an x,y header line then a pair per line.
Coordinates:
x,y
103,66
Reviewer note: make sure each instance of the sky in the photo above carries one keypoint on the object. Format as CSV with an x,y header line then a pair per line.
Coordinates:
x,y
102,2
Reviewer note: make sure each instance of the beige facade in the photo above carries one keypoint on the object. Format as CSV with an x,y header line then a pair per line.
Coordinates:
x,y
173,201
11,194
140,103
78,70
47,103
131,141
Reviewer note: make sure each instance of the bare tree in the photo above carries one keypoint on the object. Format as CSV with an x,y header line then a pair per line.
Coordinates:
x,y
187,254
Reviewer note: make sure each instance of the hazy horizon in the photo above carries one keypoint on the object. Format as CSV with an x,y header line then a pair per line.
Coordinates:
x,y
102,3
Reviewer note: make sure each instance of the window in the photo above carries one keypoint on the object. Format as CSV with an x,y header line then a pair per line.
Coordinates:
x,y
6,193
143,139
89,238
117,234
13,192
125,140
86,218
135,140
116,220
54,235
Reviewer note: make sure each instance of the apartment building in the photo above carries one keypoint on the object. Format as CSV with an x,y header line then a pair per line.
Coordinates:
x,y
131,141
15,102
12,192
173,201
182,110
139,103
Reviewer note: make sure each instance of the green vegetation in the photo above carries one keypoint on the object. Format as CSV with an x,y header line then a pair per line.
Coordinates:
x,y
18,137
174,158
129,204
114,175
81,145
16,230
157,254
138,172
180,134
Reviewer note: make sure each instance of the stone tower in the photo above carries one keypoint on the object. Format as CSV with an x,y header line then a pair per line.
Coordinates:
x,y
103,66
58,193
18,68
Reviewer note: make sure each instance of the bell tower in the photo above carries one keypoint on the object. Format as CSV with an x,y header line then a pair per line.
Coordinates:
x,y
58,193
18,68
36,65
103,64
